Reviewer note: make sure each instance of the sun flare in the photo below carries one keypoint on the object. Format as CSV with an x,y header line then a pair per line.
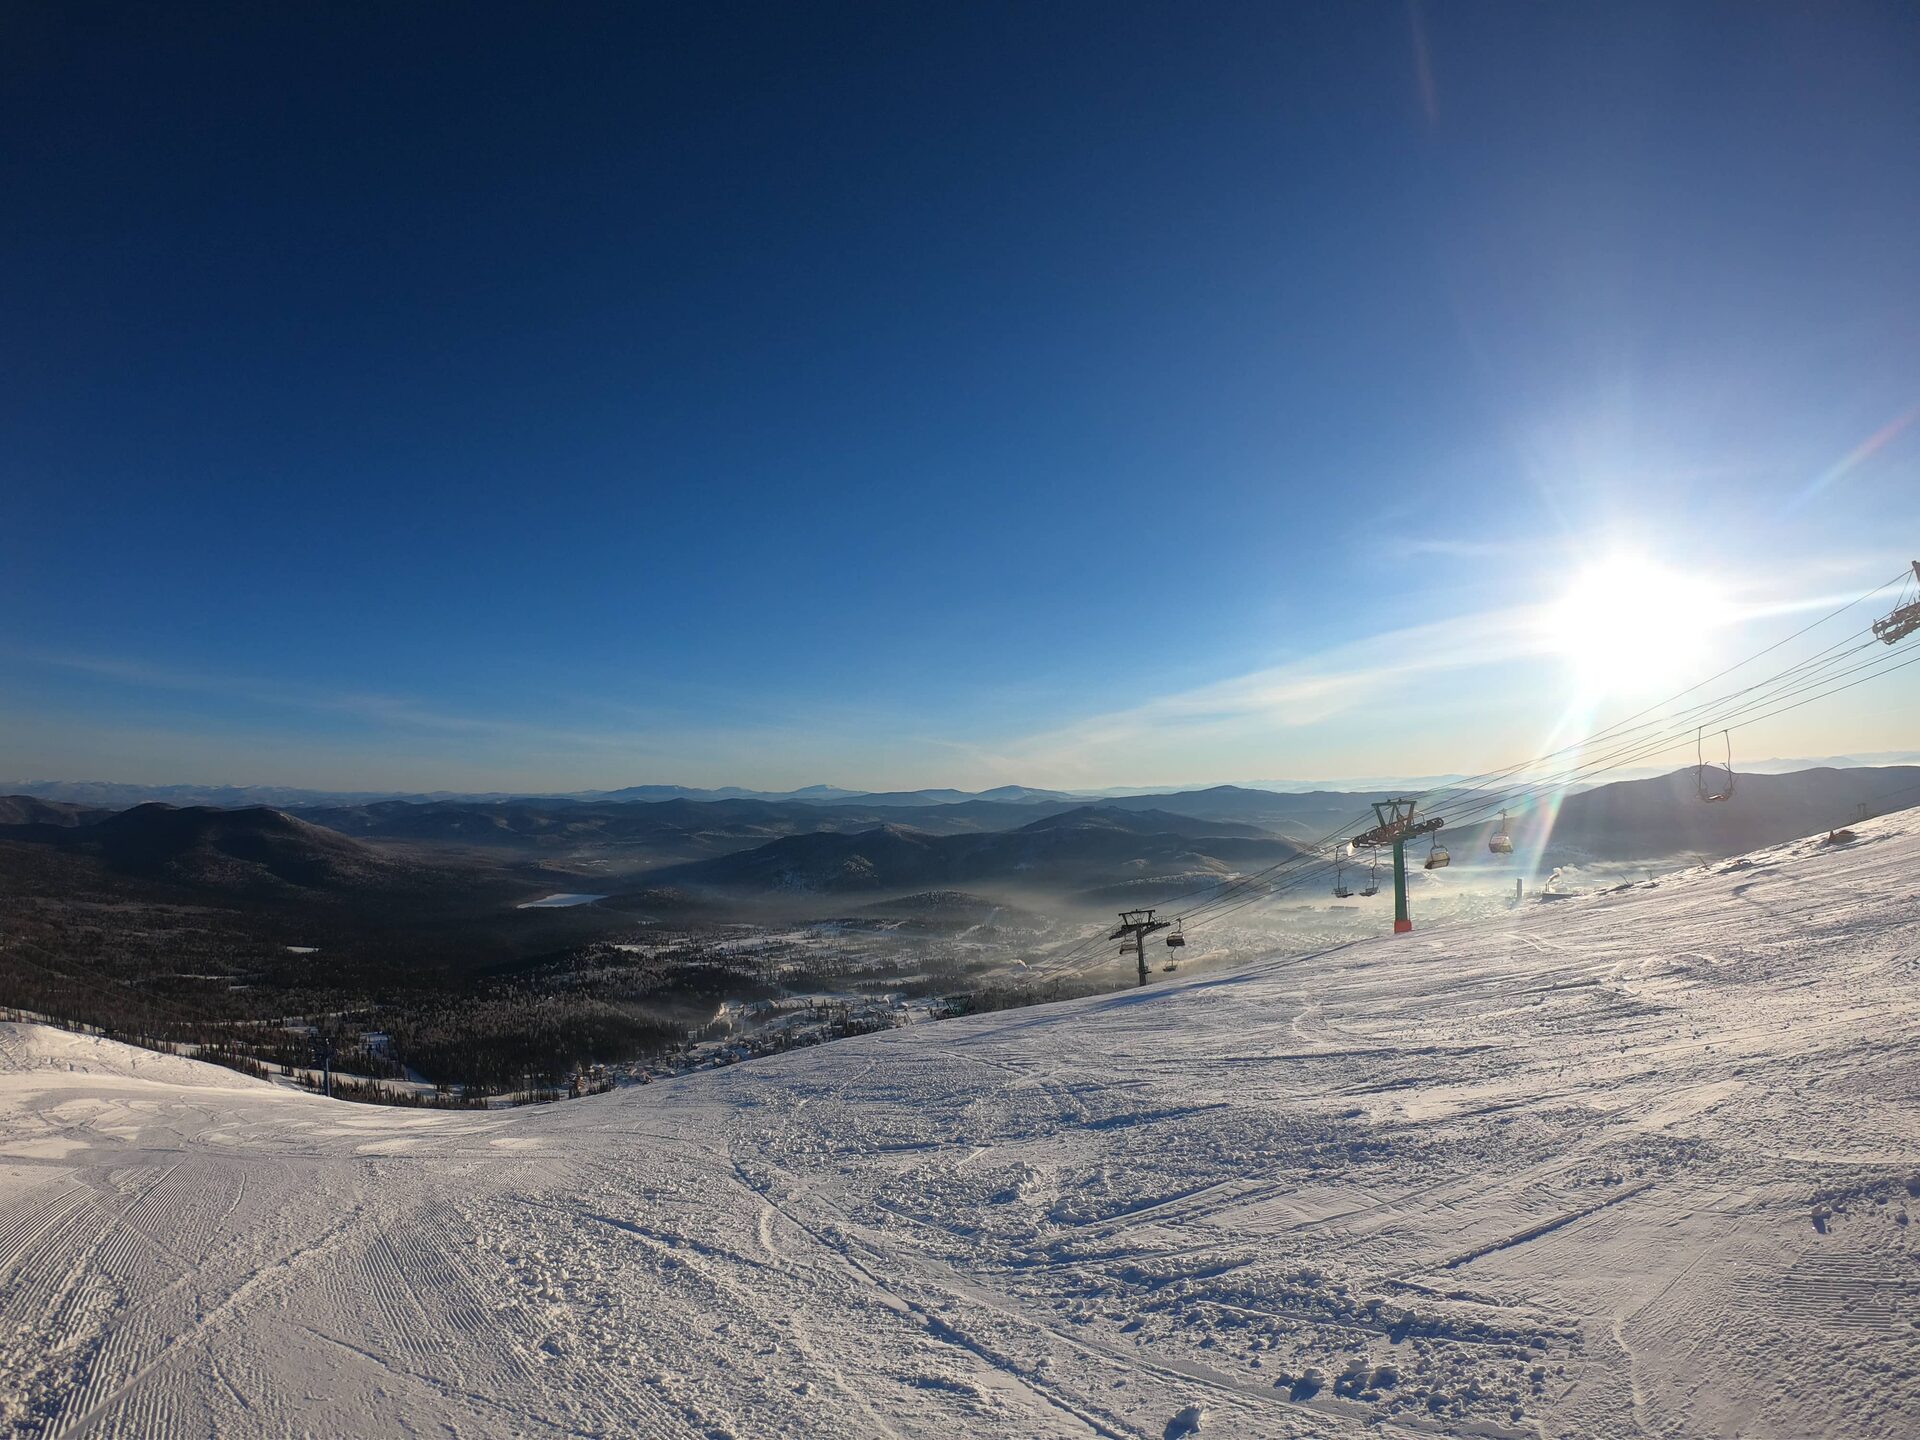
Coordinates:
x,y
1627,624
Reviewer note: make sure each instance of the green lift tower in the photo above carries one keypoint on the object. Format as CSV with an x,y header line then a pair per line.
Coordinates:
x,y
1396,827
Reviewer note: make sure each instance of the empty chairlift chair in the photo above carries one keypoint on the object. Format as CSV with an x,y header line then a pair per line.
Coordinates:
x,y
1709,792
1500,842
1176,940
1437,857
1372,886
1340,890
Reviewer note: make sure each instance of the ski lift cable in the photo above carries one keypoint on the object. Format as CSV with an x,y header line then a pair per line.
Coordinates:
x,y
1225,888
1892,795
1762,693
1694,714
1519,797
1471,787
1626,722
1823,687
1293,882
1281,887
1825,657
1625,753
1468,783
1220,911
1277,881
1213,910
1903,578
1823,694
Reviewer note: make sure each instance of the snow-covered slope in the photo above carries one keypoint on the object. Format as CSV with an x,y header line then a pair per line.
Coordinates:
x,y
1641,1164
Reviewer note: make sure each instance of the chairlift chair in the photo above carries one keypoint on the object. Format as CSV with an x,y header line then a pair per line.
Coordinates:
x,y
1712,794
1340,890
1175,941
1372,887
1500,842
1437,857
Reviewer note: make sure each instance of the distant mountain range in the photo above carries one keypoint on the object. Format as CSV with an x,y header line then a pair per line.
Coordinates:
x,y
1086,846
31,810
648,831
1664,816
232,852
114,796
1119,847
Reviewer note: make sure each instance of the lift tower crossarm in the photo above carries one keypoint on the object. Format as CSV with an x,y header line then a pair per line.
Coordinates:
x,y
1902,622
1396,827
1136,925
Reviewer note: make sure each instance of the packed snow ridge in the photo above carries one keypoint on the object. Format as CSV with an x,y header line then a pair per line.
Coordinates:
x,y
1641,1164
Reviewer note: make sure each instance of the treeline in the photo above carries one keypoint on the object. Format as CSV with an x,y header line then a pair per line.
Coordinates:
x,y
369,1092
467,1013
1016,997
504,1041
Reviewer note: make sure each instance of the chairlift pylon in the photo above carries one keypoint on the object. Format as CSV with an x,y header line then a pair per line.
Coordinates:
x,y
1711,794
1905,619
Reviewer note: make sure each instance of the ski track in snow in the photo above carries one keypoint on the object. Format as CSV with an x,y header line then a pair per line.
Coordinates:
x,y
1641,1164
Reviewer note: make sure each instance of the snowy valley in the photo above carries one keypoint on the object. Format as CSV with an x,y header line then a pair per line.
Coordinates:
x,y
1635,1164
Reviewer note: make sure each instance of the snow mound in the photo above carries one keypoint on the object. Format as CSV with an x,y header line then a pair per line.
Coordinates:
x,y
25,1048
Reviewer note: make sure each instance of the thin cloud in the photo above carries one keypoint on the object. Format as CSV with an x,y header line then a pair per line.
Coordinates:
x,y
1313,692
381,709
1423,63
1294,696
1453,549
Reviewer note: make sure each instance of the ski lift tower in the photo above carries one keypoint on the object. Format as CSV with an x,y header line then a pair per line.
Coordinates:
x,y
1136,925
1902,622
1396,827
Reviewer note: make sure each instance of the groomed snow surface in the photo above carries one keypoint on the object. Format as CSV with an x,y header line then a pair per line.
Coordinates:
x,y
1640,1164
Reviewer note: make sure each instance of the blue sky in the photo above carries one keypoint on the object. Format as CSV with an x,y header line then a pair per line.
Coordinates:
x,y
508,397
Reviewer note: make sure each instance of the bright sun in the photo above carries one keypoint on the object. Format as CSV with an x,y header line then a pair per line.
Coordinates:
x,y
1627,624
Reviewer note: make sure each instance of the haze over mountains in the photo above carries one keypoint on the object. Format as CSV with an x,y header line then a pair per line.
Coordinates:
x,y
115,795
1085,846
1120,847
255,852
1664,815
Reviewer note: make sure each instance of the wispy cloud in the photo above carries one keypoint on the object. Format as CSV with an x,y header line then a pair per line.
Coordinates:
x,y
372,707
1270,710
1423,63
1309,710
1293,696
724,740
1461,549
